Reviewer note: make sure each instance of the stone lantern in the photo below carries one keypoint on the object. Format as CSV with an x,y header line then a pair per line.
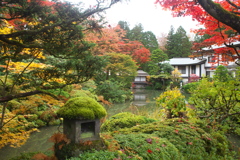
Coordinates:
x,y
81,119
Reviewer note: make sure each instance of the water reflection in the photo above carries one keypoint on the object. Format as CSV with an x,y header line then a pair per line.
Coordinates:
x,y
139,97
143,100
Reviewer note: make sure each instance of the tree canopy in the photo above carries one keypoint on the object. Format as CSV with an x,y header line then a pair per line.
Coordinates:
x,y
43,48
42,45
219,18
178,44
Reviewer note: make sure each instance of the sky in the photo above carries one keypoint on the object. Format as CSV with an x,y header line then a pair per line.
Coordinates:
x,y
151,16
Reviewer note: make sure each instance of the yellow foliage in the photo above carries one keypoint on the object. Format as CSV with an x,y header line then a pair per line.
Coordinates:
x,y
13,132
6,28
172,101
59,80
176,75
18,67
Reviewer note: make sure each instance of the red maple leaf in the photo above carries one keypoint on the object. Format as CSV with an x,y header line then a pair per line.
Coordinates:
x,y
149,151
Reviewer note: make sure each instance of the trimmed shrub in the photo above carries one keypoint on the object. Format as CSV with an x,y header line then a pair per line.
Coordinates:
x,y
124,120
100,155
186,141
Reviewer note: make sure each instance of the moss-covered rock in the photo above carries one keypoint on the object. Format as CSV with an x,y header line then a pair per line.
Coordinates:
x,y
124,120
82,107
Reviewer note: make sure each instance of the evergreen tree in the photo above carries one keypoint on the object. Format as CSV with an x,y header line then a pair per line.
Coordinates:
x,y
149,40
183,45
136,33
178,44
124,25
170,45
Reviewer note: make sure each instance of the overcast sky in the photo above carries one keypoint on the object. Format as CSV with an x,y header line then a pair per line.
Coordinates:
x,y
151,16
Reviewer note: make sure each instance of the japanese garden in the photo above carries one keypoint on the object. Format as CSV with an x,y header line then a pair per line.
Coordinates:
x,y
64,65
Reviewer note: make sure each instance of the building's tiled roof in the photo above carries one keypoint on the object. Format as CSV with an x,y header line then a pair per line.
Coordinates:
x,y
142,73
220,46
185,61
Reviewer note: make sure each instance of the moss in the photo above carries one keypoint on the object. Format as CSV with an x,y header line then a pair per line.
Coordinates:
x,y
84,107
83,93
124,120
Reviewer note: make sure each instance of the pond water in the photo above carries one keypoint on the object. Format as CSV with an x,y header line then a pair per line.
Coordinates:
x,y
144,100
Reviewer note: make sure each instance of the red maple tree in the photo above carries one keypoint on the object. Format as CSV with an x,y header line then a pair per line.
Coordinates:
x,y
112,39
220,21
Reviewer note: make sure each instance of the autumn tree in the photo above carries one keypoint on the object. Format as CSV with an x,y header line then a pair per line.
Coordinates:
x,y
43,48
125,26
162,40
106,40
113,39
220,20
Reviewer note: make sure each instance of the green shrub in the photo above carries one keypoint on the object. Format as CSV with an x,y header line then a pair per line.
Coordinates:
x,y
32,117
187,88
186,141
54,122
124,120
59,92
25,156
40,123
100,155
148,146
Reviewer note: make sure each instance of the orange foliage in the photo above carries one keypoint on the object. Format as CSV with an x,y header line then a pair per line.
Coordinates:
x,y
112,39
59,137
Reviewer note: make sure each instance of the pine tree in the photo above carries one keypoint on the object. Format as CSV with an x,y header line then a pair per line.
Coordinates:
x,y
170,45
149,40
183,45
178,44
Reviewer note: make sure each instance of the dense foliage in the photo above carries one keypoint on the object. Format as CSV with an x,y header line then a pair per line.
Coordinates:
x,y
124,120
217,101
171,139
172,102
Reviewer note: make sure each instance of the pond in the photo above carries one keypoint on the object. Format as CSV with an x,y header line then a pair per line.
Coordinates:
x,y
143,101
